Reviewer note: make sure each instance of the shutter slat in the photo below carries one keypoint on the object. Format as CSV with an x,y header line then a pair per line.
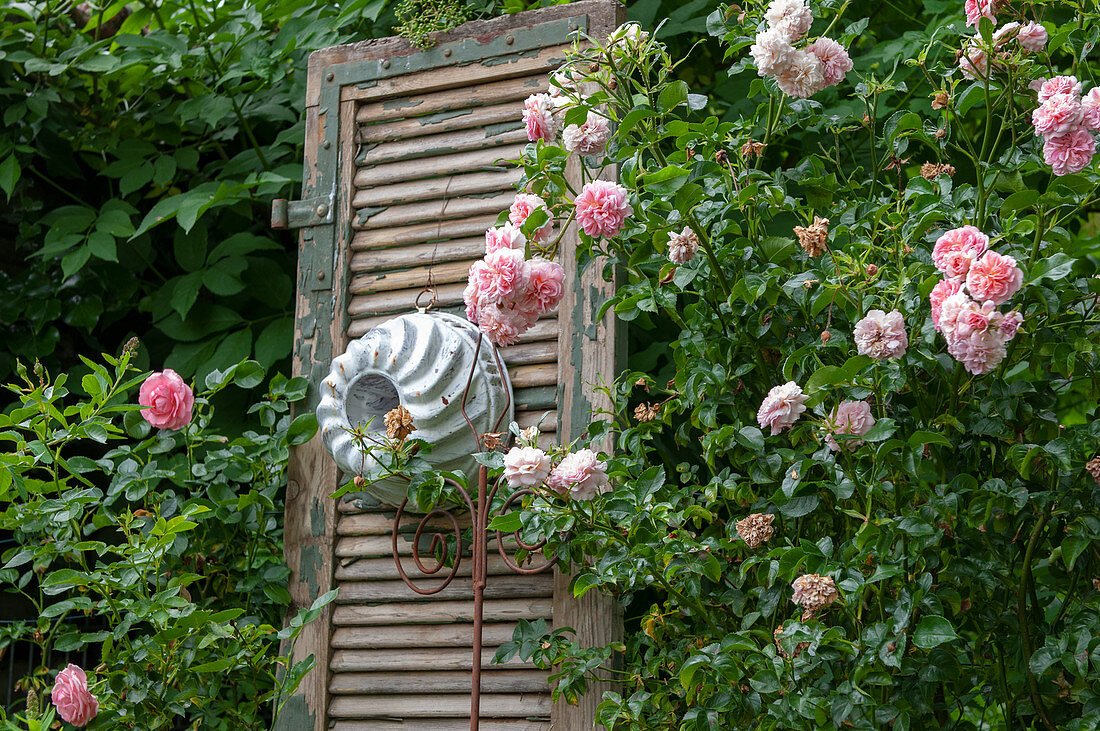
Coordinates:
x,y
494,158
494,92
430,680
426,658
443,209
495,610
413,635
403,257
469,118
443,705
528,376
423,233
414,191
443,724
529,353
382,569
417,278
384,303
371,592
416,148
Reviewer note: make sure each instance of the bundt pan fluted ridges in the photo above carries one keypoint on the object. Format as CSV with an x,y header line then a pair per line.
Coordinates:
x,y
420,361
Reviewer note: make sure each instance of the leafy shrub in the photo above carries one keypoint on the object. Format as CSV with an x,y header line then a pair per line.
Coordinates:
x,y
185,629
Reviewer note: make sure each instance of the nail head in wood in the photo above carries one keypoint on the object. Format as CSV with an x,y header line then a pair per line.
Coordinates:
x,y
330,76
447,52
510,39
386,64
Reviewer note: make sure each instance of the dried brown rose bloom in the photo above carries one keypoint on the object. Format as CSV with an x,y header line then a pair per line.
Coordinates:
x,y
813,237
872,270
530,435
646,412
826,336
814,592
1096,584
399,424
756,528
490,440
721,157
1093,468
940,134
751,149
932,170
941,100
360,482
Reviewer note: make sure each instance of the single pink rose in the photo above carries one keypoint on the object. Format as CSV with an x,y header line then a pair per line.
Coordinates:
x,y
834,58
523,206
955,250
1010,324
504,237
1090,109
503,324
601,208
782,407
953,309
978,9
994,278
974,62
545,283
980,352
581,475
500,274
1058,115
1069,153
850,418
539,119
1059,85
1032,37
881,335
943,289
589,138
168,400
682,246
526,467
70,694
791,17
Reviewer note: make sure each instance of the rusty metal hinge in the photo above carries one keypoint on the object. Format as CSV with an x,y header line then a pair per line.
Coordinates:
x,y
301,214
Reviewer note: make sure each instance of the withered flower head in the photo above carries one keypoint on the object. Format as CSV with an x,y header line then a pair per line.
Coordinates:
x,y
756,528
490,440
530,435
932,170
941,100
752,149
826,336
813,593
813,237
645,412
1093,468
798,648
399,424
721,157
360,482
872,270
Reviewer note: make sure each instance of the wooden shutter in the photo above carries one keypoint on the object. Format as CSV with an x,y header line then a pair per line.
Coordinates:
x,y
402,177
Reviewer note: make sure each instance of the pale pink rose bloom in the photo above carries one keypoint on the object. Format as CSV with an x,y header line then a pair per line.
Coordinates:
x,y
601,207
952,309
500,274
523,206
628,37
70,695
589,138
792,17
957,248
974,62
545,283
1032,37
881,335
771,52
802,77
1058,115
1059,85
1069,153
526,467
1090,109
503,324
980,352
504,237
1010,324
834,58
1037,85
682,246
472,295
782,407
539,119
1004,34
581,475
852,418
569,81
974,319
167,400
977,9
943,289
994,278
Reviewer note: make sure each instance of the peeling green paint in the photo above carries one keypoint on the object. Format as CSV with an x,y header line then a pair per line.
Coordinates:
x,y
308,566
492,130
295,716
443,116
402,103
317,518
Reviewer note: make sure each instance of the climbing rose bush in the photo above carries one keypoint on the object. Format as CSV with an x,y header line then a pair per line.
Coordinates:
x,y
849,476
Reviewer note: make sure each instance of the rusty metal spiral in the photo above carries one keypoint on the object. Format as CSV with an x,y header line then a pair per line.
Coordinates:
x,y
438,545
529,547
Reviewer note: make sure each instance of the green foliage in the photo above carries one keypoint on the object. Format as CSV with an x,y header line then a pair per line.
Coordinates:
x,y
122,536
420,18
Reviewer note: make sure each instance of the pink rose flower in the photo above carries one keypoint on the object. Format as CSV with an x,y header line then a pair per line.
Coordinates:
x,y
974,62
682,246
782,407
1090,109
70,694
1032,37
503,324
471,296
994,278
1059,85
790,17
802,77
851,418
943,289
980,352
539,119
1010,324
957,248
880,335
834,59
771,52
504,237
601,207
526,467
978,9
500,274
545,283
167,400
589,138
1069,153
523,206
1058,115
580,475
952,310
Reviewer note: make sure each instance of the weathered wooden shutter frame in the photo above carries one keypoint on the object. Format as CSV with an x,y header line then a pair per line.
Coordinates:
x,y
325,213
